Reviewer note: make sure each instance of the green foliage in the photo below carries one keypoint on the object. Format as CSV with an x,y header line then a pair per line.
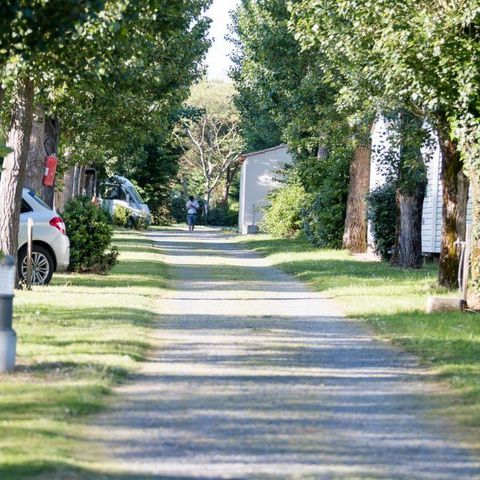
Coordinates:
x,y
284,93
177,209
283,215
90,235
416,56
324,216
382,213
121,216
225,215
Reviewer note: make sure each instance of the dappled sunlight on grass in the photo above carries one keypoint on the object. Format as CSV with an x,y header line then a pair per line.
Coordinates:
x,y
77,338
393,301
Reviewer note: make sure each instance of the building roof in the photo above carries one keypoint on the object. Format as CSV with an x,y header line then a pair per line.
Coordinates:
x,y
244,156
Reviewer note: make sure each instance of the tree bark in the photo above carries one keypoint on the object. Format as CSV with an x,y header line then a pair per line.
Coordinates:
x,y
206,206
52,137
36,154
229,177
474,293
14,165
408,248
454,211
355,233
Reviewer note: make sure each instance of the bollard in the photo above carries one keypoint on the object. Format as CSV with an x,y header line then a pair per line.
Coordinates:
x,y
8,338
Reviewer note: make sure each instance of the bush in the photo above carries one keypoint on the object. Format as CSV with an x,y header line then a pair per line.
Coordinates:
x,y
382,213
224,215
324,213
90,237
323,222
283,216
121,216
177,209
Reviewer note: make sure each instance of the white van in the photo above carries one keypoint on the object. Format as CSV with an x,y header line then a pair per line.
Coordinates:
x,y
119,191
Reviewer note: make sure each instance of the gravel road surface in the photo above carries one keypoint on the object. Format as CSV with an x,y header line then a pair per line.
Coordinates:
x,y
256,376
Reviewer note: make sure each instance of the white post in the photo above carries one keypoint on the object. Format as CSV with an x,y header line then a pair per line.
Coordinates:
x,y
466,262
29,253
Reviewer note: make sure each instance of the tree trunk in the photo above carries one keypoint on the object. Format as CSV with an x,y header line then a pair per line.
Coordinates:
x,y
408,248
14,165
322,152
474,293
355,233
52,137
206,206
229,177
454,211
36,154
68,180
225,193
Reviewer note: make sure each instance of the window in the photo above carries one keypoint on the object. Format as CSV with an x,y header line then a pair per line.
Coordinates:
x,y
25,207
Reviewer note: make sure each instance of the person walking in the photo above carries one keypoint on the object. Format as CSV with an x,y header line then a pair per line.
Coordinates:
x,y
192,207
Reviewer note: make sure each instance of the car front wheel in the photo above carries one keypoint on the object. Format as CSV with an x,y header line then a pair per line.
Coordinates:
x,y
42,265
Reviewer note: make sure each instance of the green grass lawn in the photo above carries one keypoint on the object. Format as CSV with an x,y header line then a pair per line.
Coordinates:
x,y
392,301
77,338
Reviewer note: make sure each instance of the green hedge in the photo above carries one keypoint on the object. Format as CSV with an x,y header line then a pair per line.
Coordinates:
x,y
283,217
90,234
382,213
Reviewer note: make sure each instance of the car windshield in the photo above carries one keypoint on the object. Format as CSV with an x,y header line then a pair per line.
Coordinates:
x,y
134,194
38,199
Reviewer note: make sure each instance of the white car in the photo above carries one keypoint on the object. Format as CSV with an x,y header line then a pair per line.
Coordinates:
x,y
51,246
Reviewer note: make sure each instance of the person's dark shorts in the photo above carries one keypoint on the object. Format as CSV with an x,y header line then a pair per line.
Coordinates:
x,y
191,218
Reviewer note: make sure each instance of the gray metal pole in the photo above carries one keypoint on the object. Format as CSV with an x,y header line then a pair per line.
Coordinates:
x,y
8,337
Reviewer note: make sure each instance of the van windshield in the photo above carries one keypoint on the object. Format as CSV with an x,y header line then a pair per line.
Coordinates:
x,y
135,195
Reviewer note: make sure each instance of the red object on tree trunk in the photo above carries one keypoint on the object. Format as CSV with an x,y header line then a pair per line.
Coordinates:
x,y
49,173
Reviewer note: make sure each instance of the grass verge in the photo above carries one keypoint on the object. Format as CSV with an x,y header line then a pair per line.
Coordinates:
x,y
392,301
78,337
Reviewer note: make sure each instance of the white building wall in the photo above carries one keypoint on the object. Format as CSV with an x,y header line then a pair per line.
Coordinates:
x,y
259,176
432,206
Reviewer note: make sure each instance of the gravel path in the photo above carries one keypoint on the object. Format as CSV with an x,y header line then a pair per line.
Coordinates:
x,y
257,377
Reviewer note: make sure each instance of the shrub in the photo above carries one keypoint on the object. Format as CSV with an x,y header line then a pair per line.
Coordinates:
x,y
323,222
224,215
121,216
324,213
283,216
90,237
382,213
177,209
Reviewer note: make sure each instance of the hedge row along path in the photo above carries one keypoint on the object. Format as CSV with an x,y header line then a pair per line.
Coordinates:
x,y
256,376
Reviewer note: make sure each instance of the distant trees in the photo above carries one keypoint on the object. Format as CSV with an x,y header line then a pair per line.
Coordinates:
x,y
210,139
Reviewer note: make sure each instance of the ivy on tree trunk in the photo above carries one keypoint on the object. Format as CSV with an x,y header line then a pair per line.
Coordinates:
x,y
454,212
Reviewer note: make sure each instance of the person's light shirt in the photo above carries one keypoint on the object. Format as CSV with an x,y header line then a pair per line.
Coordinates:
x,y
192,207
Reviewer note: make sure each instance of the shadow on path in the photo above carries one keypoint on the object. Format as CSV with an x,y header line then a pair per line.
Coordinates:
x,y
258,377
